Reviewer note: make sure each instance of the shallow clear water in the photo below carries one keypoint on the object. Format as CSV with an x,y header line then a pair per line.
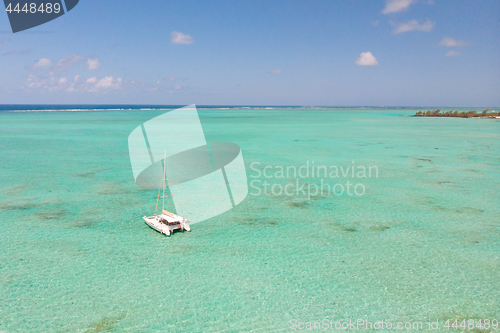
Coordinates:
x,y
422,242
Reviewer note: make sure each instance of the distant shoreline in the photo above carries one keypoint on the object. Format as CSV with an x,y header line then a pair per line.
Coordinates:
x,y
456,114
463,113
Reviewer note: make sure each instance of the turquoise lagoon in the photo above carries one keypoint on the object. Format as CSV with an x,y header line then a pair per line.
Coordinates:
x,y
421,244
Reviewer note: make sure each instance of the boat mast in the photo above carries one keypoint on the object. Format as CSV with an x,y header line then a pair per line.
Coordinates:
x,y
164,180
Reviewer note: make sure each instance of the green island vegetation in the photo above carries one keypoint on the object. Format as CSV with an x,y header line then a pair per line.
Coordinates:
x,y
451,113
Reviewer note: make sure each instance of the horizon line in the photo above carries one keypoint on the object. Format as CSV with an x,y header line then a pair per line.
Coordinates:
x,y
249,105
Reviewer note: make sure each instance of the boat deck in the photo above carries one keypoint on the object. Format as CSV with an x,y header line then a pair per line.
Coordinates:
x,y
166,224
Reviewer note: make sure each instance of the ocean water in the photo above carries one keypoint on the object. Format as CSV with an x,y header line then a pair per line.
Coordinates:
x,y
420,244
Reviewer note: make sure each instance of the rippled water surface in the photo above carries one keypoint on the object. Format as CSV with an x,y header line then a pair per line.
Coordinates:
x,y
421,243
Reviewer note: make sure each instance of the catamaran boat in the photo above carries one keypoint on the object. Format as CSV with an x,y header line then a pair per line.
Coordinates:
x,y
166,222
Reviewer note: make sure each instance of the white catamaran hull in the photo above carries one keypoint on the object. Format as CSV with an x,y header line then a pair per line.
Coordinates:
x,y
167,223
155,224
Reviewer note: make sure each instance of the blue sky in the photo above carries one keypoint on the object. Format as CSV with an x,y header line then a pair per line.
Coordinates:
x,y
373,52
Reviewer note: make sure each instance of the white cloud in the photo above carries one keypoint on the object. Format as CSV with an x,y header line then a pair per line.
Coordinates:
x,y
52,83
34,82
42,62
61,66
450,42
276,71
366,59
93,64
393,6
108,82
452,53
72,87
95,85
46,83
105,83
69,61
180,38
413,25
169,78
